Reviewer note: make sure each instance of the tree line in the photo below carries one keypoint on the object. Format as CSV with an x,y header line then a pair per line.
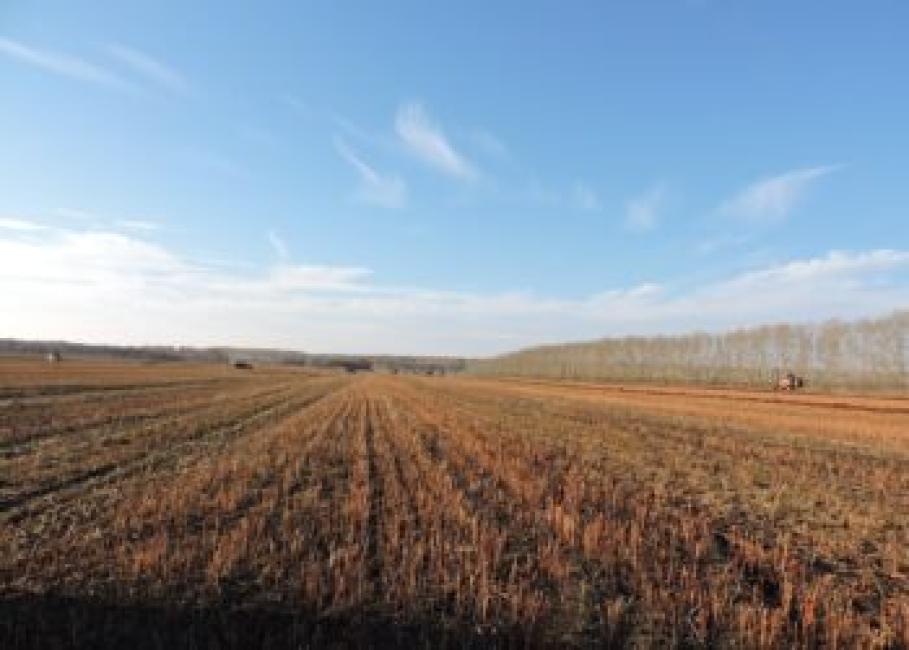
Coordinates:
x,y
869,353
175,353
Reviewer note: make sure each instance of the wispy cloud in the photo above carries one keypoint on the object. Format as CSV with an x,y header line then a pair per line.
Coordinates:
x,y
20,225
538,194
77,214
642,213
142,225
144,292
584,197
289,278
383,190
356,132
257,136
97,220
297,104
428,142
213,162
489,144
773,198
61,64
832,265
575,196
278,244
149,67
840,284
712,245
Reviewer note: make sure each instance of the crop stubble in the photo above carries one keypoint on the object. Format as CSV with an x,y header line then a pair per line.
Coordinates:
x,y
199,507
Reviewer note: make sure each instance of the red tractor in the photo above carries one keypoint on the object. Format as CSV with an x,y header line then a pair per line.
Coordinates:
x,y
789,381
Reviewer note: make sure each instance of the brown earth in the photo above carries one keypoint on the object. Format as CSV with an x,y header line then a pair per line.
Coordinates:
x,y
173,505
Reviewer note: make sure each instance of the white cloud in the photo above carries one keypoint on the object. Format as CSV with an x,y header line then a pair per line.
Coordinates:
x,y
151,68
642,213
837,284
428,142
105,259
585,197
97,220
289,277
773,198
387,191
62,64
22,225
833,265
109,287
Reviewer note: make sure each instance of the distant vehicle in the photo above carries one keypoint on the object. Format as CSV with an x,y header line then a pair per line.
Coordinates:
x,y
242,365
54,357
789,381
357,365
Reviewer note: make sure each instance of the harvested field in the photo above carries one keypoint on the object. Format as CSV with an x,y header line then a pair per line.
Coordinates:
x,y
162,506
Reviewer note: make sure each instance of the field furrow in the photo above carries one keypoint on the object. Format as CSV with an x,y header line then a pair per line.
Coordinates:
x,y
292,509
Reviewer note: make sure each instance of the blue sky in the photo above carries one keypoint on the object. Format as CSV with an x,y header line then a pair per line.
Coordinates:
x,y
401,177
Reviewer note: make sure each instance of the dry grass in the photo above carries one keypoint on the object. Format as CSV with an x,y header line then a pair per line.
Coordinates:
x,y
193,507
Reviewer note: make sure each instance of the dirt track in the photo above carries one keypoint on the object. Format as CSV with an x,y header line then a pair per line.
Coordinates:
x,y
877,424
884,403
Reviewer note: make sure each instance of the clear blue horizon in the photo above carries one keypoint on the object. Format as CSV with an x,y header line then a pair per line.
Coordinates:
x,y
405,178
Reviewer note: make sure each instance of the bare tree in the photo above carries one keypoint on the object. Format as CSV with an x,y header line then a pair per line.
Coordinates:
x,y
871,353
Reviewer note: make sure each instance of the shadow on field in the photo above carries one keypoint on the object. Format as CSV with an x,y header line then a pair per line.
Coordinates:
x,y
56,622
